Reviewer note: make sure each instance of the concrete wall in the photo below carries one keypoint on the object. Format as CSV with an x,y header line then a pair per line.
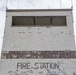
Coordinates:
x,y
55,39
33,67
39,38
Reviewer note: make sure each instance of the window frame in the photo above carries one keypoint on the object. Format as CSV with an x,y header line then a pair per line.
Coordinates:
x,y
34,21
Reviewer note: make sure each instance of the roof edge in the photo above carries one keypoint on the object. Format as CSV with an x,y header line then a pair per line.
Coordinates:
x,y
30,10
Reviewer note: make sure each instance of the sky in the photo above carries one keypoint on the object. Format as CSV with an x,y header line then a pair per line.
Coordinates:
x,y
34,4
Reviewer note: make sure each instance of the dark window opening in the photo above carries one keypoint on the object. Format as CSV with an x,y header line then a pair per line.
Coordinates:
x,y
39,21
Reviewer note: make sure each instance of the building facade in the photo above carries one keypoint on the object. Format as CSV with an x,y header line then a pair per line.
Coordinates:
x,y
38,42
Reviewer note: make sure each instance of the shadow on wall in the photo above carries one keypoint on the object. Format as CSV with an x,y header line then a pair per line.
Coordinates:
x,y
0,54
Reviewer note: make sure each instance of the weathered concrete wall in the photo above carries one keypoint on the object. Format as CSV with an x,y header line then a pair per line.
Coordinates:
x,y
39,38
47,50
38,67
